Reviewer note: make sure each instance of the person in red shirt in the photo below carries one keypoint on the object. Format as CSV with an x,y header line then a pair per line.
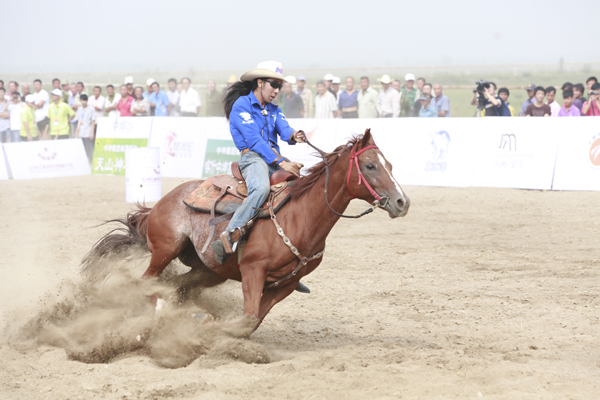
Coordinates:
x,y
124,105
591,108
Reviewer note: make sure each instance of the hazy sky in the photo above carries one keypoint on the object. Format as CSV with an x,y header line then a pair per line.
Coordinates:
x,y
134,35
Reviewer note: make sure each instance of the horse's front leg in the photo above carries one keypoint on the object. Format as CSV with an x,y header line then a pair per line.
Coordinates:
x,y
273,296
253,281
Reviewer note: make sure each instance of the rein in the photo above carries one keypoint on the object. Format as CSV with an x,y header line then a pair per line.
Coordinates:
x,y
380,202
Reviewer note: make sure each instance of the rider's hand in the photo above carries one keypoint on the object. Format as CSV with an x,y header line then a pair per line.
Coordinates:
x,y
299,137
292,167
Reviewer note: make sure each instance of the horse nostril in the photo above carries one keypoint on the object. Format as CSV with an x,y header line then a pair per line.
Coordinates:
x,y
400,202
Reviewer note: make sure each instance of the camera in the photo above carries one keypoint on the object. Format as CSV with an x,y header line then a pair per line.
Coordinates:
x,y
481,86
594,92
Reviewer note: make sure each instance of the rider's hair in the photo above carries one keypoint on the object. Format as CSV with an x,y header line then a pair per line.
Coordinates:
x,y
236,91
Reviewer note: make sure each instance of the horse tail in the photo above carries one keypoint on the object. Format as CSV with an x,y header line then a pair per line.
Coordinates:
x,y
118,242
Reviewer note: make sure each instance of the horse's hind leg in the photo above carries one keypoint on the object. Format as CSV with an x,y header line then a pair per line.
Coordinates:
x,y
199,275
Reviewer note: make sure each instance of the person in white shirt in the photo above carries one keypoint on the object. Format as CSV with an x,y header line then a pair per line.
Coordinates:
x,y
189,100
97,102
42,102
173,96
111,102
388,104
554,106
86,124
325,102
15,108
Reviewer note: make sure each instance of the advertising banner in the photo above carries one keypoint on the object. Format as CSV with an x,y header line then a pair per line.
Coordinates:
x,y
47,159
113,138
516,153
3,165
578,157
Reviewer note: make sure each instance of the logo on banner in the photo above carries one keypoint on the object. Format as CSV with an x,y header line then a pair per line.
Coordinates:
x,y
508,141
594,151
440,144
175,148
47,155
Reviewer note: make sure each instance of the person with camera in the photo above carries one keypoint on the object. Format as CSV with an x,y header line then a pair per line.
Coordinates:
x,y
484,97
591,108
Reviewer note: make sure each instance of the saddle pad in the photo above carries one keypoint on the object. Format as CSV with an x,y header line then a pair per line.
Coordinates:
x,y
202,198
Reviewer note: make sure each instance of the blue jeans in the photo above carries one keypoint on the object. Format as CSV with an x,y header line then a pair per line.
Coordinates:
x,y
256,173
16,136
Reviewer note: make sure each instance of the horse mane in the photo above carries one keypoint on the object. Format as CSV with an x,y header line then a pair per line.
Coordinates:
x,y
304,184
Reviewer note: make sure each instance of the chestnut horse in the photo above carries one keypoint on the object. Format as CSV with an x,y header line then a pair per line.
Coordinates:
x,y
171,229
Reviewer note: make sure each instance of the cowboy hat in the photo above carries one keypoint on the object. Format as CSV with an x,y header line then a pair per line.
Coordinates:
x,y
265,69
385,79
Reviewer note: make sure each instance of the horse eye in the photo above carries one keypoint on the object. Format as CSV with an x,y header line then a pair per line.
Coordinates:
x,y
371,167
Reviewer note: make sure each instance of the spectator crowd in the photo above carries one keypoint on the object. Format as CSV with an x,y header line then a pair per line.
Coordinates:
x,y
69,111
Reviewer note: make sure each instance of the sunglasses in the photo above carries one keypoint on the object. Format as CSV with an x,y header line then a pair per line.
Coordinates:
x,y
275,84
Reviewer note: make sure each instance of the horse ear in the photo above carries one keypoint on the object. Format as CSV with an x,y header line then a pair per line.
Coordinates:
x,y
367,139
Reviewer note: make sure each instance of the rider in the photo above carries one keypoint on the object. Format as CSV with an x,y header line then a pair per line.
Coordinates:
x,y
254,124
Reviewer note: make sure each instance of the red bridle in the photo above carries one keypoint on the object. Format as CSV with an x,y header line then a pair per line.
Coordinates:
x,y
354,156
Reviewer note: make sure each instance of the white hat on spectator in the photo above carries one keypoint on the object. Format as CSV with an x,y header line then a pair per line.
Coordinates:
x,y
265,69
56,92
328,77
336,79
129,79
30,98
291,79
150,81
385,79
409,77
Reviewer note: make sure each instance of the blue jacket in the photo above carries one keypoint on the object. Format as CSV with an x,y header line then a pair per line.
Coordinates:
x,y
250,129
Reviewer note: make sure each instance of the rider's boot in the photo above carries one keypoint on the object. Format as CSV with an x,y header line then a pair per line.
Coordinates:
x,y
302,288
228,242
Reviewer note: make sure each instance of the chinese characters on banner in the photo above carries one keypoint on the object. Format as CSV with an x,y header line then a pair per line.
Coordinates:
x,y
218,157
109,154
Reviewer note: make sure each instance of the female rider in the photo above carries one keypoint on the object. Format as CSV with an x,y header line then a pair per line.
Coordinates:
x,y
254,124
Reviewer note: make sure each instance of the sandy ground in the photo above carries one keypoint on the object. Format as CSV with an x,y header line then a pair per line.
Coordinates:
x,y
487,293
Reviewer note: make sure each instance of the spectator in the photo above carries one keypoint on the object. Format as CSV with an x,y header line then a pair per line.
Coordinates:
x,y
554,106
189,100
388,104
179,90
86,117
590,81
232,79
325,103
409,93
173,96
568,109
578,90
441,101
426,89
567,86
140,106
538,108
328,78
159,101
294,107
367,99
348,100
503,93
428,109
56,85
214,101
112,102
307,97
493,103
65,91
96,102
396,84
42,101
26,90
14,87
73,99
59,115
591,108
29,129
420,83
2,84
129,83
4,117
149,90
15,108
124,104
530,98
335,86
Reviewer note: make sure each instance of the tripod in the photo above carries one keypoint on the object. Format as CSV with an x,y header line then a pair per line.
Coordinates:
x,y
480,105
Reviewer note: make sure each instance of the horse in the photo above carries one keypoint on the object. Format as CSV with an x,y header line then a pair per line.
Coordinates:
x,y
268,270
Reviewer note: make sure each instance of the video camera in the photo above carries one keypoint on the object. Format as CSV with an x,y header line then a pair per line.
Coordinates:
x,y
481,86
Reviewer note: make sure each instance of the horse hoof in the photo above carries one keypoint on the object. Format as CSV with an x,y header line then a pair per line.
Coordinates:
x,y
203,318
160,305
302,288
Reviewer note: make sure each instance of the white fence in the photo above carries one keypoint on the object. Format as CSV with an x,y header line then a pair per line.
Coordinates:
x,y
529,153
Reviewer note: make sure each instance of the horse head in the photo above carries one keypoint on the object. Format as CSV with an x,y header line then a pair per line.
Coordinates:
x,y
370,178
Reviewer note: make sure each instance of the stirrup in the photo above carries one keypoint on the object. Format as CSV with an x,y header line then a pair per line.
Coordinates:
x,y
226,243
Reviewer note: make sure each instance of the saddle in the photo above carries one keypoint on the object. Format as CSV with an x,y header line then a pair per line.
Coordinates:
x,y
224,194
